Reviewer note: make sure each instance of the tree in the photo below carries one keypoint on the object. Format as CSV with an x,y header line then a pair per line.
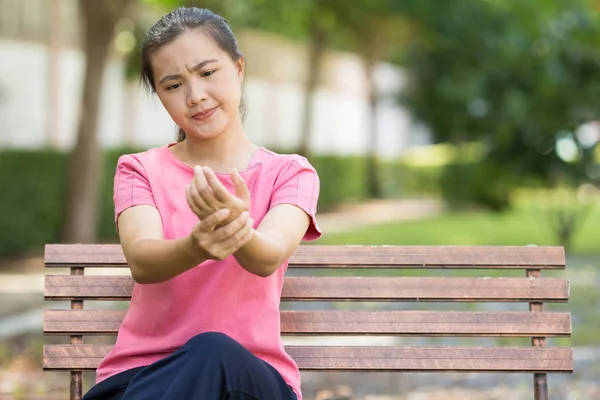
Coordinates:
x,y
318,34
99,19
376,30
518,77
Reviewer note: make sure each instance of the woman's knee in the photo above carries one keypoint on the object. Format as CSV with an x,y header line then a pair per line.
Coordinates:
x,y
213,342
218,352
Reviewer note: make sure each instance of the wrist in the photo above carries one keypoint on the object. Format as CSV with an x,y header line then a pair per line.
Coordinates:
x,y
193,250
250,243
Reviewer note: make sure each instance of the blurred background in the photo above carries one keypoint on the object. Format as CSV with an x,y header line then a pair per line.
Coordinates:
x,y
430,122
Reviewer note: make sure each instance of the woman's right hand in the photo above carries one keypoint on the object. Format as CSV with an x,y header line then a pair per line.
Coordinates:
x,y
219,242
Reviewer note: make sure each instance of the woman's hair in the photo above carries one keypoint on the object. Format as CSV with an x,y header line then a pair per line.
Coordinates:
x,y
181,20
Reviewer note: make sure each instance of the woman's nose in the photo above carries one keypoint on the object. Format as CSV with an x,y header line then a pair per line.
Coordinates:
x,y
197,93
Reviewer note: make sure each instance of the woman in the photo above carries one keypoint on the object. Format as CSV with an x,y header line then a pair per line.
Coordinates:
x,y
207,245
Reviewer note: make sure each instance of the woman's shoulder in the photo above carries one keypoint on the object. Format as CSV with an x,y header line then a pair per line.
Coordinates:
x,y
151,155
279,161
144,161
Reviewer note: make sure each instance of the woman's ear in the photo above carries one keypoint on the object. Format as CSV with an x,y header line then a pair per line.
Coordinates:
x,y
241,66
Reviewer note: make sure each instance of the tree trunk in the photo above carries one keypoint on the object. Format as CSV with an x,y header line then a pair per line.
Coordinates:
x,y
373,181
371,47
54,79
99,19
317,46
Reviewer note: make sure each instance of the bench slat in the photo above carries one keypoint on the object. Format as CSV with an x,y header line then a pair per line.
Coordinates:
x,y
68,255
68,287
334,358
401,323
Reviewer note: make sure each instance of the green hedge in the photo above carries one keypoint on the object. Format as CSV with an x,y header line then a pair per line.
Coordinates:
x,y
342,179
34,193
464,185
34,190
401,180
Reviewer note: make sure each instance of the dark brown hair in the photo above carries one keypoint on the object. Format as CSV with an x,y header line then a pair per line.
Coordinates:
x,y
182,20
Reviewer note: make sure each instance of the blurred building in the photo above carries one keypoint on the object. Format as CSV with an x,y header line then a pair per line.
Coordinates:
x,y
41,67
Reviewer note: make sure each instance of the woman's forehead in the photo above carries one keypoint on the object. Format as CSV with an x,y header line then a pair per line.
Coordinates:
x,y
188,49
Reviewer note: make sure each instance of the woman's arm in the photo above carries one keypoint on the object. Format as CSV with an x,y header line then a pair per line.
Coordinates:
x,y
283,227
276,238
153,259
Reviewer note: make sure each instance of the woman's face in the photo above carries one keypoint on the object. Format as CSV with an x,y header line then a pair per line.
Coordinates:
x,y
198,84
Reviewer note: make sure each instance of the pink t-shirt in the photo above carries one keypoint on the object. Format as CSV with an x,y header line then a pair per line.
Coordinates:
x,y
218,296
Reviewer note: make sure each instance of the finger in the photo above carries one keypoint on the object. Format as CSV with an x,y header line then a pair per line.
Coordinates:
x,y
204,189
220,192
191,202
198,200
209,223
241,189
241,237
227,231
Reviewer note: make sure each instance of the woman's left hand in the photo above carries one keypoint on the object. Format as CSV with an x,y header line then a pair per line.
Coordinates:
x,y
207,195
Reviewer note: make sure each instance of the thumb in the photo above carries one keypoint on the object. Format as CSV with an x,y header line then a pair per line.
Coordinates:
x,y
241,189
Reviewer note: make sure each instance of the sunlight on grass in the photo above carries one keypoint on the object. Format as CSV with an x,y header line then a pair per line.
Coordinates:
x,y
517,227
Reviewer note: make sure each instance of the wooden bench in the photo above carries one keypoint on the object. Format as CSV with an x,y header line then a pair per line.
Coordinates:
x,y
533,357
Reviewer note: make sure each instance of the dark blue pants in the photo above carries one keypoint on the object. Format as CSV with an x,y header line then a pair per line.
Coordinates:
x,y
210,366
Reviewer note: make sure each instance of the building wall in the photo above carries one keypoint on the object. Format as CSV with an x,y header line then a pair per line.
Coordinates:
x,y
276,75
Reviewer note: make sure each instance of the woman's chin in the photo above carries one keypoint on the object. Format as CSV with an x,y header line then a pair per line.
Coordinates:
x,y
203,134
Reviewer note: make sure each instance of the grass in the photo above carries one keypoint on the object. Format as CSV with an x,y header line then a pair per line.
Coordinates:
x,y
520,226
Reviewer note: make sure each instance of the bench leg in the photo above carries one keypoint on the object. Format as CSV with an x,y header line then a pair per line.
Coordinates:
x,y
540,386
76,376
76,385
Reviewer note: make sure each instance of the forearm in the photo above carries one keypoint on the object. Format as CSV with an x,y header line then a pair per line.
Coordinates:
x,y
262,255
155,261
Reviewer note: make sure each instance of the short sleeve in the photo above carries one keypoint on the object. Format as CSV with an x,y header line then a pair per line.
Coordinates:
x,y
299,185
131,186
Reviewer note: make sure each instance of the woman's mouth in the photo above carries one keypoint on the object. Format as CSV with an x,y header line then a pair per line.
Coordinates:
x,y
204,115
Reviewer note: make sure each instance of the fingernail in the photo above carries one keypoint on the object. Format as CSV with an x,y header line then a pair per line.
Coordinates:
x,y
198,169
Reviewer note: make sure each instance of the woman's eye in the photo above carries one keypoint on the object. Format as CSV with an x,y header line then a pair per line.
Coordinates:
x,y
209,73
175,86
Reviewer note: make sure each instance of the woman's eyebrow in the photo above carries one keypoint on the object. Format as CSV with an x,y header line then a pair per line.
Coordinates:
x,y
177,76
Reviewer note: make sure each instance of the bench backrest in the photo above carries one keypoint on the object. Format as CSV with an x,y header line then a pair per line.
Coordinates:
x,y
379,283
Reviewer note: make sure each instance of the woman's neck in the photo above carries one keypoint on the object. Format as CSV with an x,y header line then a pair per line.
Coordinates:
x,y
229,150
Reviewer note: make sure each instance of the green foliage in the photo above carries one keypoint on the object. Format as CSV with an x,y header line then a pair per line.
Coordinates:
x,y
465,184
514,75
342,179
399,179
32,207
346,25
31,203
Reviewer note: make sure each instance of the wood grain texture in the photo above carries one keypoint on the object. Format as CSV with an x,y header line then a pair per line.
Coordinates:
x,y
65,287
76,385
344,358
401,323
103,255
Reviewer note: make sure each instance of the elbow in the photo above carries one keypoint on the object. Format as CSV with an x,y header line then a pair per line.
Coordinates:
x,y
265,273
261,270
141,276
266,270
